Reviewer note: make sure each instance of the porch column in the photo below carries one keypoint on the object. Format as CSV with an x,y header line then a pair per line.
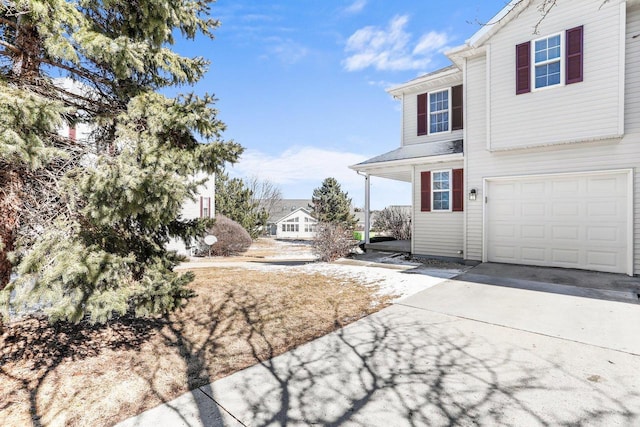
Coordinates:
x,y
367,210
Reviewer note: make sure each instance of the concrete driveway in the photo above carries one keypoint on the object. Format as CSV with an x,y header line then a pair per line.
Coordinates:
x,y
459,353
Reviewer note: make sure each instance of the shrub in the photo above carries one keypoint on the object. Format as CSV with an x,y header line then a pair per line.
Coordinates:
x,y
395,221
232,238
333,241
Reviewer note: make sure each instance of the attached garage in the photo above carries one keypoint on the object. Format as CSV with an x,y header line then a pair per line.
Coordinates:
x,y
578,220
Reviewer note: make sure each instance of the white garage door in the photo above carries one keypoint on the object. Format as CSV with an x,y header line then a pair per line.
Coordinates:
x,y
574,221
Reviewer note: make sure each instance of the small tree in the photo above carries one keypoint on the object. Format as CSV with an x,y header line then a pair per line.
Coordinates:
x,y
235,200
333,241
264,195
395,221
330,204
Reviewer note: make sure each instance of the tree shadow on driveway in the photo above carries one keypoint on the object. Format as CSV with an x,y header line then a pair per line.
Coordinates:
x,y
397,369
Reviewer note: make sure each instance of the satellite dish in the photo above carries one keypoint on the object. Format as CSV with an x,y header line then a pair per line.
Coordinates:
x,y
210,239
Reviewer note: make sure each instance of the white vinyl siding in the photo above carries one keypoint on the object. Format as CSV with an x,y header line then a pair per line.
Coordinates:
x,y
583,157
436,233
577,112
191,210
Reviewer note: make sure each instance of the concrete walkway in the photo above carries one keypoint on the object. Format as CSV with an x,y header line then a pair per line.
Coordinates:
x,y
460,353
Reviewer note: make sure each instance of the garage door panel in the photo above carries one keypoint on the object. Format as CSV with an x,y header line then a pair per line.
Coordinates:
x,y
565,256
533,208
606,186
531,254
505,253
565,187
603,234
565,232
576,221
566,209
603,259
533,232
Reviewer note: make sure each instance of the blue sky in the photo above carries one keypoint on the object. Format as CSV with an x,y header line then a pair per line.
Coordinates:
x,y
301,83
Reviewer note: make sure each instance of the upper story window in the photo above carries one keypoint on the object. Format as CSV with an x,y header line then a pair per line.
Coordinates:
x,y
440,111
554,60
205,207
548,59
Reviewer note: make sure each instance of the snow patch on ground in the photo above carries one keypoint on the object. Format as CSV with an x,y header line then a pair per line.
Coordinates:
x,y
394,279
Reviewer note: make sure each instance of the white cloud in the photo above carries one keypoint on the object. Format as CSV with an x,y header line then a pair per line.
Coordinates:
x,y
390,48
299,164
356,7
298,171
431,42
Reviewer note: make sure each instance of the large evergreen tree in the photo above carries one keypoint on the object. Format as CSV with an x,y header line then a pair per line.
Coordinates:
x,y
330,204
85,222
235,200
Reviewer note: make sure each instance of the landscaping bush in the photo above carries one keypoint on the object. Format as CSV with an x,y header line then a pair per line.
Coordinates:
x,y
232,238
395,221
333,241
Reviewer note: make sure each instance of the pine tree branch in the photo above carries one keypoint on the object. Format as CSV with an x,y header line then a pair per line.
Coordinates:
x,y
11,47
8,22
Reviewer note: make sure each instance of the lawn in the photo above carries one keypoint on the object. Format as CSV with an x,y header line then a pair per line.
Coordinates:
x,y
81,375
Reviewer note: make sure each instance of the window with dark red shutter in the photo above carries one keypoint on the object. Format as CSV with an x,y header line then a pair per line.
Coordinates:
x,y
422,114
523,68
457,194
574,55
425,191
456,108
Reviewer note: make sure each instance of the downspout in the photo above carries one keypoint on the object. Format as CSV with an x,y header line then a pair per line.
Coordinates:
x,y
367,210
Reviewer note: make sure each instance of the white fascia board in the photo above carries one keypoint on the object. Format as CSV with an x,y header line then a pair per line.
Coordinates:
x,y
443,79
409,162
502,18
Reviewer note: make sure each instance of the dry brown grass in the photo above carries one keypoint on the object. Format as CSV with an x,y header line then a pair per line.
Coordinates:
x,y
80,375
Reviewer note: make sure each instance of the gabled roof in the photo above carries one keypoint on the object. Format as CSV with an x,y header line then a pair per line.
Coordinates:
x,y
291,214
444,76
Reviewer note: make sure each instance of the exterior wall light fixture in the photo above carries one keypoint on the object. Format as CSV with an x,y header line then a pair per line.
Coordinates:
x,y
472,194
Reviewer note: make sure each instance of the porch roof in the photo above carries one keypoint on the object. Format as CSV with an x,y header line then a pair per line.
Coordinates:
x,y
396,164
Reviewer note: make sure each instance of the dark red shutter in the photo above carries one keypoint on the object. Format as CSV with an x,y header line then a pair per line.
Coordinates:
x,y
201,207
422,114
523,68
425,191
457,195
574,55
72,133
456,108
209,208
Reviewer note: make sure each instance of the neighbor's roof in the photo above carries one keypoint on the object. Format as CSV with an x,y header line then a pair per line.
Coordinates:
x,y
416,151
306,211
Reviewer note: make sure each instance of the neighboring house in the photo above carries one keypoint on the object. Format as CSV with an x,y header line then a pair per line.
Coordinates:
x,y
281,208
526,150
299,225
202,207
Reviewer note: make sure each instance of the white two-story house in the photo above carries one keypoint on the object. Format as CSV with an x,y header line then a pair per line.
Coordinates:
x,y
527,149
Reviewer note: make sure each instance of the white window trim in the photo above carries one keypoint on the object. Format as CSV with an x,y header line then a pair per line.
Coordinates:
x,y
429,112
562,62
433,206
